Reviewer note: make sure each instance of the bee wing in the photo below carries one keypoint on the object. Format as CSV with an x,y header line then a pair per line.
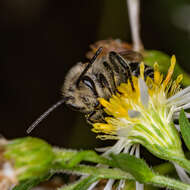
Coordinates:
x,y
131,56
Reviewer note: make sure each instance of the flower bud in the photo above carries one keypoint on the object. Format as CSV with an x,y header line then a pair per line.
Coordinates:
x,y
30,157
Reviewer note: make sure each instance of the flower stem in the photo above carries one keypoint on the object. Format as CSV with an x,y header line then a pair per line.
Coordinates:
x,y
72,158
100,172
162,181
134,14
107,173
183,162
68,161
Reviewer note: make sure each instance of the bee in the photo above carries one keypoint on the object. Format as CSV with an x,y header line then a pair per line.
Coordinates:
x,y
98,78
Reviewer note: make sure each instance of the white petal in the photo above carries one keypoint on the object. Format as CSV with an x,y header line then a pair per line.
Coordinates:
x,y
176,115
109,184
143,92
179,94
102,149
126,150
132,151
139,186
117,148
182,174
121,185
181,101
177,127
93,185
137,152
186,106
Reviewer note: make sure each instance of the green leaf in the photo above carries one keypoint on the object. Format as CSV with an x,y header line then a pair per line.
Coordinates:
x,y
81,184
163,60
185,128
137,167
152,56
28,184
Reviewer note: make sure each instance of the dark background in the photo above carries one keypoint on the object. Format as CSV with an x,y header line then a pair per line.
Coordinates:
x,y
41,39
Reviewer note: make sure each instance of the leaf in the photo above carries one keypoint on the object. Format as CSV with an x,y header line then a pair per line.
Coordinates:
x,y
163,60
185,128
137,167
81,184
28,184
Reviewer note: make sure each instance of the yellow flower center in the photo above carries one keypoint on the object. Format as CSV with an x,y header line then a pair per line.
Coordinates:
x,y
139,105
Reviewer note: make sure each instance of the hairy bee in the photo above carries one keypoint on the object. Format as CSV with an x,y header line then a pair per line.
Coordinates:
x,y
86,82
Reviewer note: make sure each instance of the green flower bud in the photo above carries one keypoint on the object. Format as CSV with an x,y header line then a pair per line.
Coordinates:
x,y
30,156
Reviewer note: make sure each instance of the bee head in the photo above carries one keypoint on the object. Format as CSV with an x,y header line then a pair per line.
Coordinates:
x,y
79,95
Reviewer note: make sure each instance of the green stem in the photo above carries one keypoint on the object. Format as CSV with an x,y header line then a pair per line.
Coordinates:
x,y
117,174
70,158
183,162
162,181
68,162
103,173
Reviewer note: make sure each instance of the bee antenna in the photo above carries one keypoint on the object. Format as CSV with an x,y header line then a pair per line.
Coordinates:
x,y
96,55
44,115
89,65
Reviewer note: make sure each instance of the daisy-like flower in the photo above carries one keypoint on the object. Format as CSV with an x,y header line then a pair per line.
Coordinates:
x,y
143,112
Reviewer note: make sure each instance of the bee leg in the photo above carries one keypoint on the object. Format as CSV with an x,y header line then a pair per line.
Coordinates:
x,y
109,69
124,63
104,83
113,55
95,116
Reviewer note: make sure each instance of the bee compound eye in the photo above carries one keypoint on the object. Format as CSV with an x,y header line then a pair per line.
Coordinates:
x,y
90,84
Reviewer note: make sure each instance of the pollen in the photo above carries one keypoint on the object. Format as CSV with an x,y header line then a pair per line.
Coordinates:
x,y
170,71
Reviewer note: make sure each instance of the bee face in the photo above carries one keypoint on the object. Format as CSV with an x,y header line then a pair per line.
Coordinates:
x,y
82,100
81,96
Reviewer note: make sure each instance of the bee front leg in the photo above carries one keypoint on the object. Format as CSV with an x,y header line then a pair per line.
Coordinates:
x,y
95,116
